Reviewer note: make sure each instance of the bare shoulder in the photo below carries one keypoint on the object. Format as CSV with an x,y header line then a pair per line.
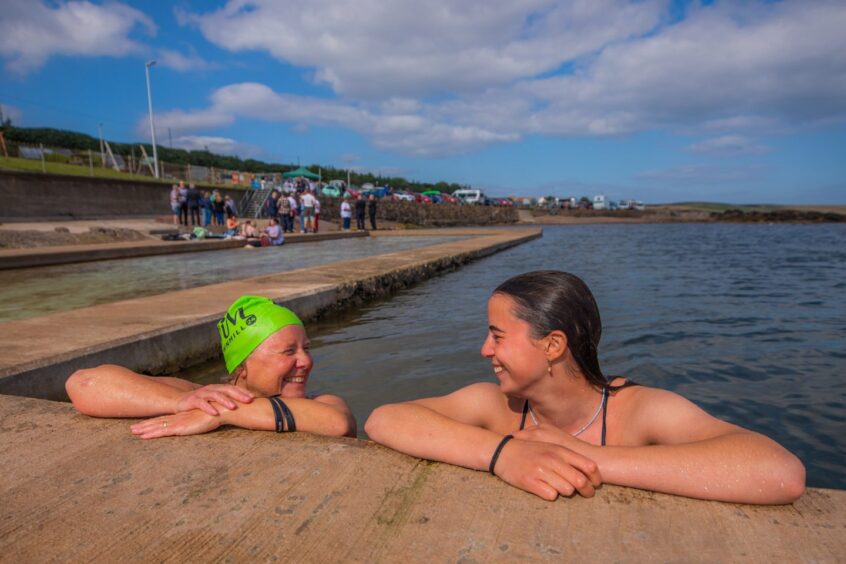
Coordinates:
x,y
657,416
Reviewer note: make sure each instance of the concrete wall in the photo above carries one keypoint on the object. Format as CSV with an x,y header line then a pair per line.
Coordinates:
x,y
28,196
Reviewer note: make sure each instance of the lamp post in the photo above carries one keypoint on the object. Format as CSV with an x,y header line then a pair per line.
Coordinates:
x,y
152,125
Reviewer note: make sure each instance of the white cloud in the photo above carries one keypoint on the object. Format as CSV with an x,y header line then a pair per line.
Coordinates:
x,y
33,31
180,62
11,113
785,66
219,145
386,48
407,133
183,122
729,146
444,78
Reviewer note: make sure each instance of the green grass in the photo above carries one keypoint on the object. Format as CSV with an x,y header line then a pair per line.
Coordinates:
x,y
28,165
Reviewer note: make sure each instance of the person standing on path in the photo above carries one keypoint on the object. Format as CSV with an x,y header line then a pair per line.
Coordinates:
x,y
346,214
360,207
217,205
371,211
174,203
308,210
206,206
183,203
284,207
316,214
272,206
193,199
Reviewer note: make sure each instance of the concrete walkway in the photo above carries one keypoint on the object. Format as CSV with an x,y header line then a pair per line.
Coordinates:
x,y
163,333
46,256
78,489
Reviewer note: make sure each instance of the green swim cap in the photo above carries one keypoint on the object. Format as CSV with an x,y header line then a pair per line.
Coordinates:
x,y
247,323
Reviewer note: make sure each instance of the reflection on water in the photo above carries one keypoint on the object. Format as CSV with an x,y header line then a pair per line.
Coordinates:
x,y
29,292
748,321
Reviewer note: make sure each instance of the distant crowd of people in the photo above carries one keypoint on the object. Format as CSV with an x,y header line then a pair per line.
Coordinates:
x,y
300,209
193,208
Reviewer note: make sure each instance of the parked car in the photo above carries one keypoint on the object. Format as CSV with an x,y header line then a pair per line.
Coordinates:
x,y
448,199
422,199
403,197
331,191
469,196
380,192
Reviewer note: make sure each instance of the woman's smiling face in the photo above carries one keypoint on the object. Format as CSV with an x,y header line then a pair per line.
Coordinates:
x,y
518,360
281,364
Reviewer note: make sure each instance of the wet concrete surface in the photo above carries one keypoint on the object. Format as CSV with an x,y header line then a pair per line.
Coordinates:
x,y
74,488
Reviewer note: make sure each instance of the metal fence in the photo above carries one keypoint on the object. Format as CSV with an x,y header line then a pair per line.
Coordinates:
x,y
136,163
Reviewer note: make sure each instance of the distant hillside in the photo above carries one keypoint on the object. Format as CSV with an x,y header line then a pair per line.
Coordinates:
x,y
60,138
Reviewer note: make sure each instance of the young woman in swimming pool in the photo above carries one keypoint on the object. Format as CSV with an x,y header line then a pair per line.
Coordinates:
x,y
267,356
554,425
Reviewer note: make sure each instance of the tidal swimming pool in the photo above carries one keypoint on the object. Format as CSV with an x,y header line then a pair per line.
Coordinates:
x,y
747,321
30,292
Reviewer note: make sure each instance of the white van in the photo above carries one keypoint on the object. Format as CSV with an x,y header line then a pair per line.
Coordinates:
x,y
469,196
599,202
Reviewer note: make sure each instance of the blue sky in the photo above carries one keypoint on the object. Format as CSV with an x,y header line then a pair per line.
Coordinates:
x,y
659,101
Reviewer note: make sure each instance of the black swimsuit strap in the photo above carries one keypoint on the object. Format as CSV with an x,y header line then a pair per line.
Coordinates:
x,y
610,389
525,412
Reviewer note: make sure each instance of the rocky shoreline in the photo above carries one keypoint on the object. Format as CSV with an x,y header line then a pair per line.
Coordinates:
x,y
666,215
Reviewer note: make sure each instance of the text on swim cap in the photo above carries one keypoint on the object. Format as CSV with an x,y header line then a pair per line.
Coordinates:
x,y
232,320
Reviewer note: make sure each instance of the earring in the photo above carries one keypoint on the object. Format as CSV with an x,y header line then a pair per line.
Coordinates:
x,y
549,368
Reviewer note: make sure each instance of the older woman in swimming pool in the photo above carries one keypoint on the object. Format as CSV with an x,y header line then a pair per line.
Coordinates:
x,y
267,356
555,425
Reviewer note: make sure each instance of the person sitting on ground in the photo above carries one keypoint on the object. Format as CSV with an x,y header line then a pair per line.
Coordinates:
x,y
231,226
249,230
274,233
573,428
251,235
266,351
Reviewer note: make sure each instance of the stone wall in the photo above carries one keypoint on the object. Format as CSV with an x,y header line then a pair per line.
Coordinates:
x,y
433,215
29,196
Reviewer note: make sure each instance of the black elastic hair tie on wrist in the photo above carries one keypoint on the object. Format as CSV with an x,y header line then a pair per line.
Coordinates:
x,y
289,417
277,412
498,450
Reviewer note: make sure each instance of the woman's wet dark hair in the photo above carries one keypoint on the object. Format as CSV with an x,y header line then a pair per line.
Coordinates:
x,y
550,300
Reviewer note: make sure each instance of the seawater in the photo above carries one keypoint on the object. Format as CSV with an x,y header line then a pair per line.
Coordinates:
x,y
747,321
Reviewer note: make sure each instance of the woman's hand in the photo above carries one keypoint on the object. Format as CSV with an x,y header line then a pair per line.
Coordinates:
x,y
194,422
547,470
224,394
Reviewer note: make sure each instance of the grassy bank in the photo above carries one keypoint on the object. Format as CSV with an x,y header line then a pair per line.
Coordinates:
x,y
28,165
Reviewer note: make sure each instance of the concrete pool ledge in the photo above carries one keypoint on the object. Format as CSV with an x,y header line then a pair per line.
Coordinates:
x,y
163,333
48,256
80,489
